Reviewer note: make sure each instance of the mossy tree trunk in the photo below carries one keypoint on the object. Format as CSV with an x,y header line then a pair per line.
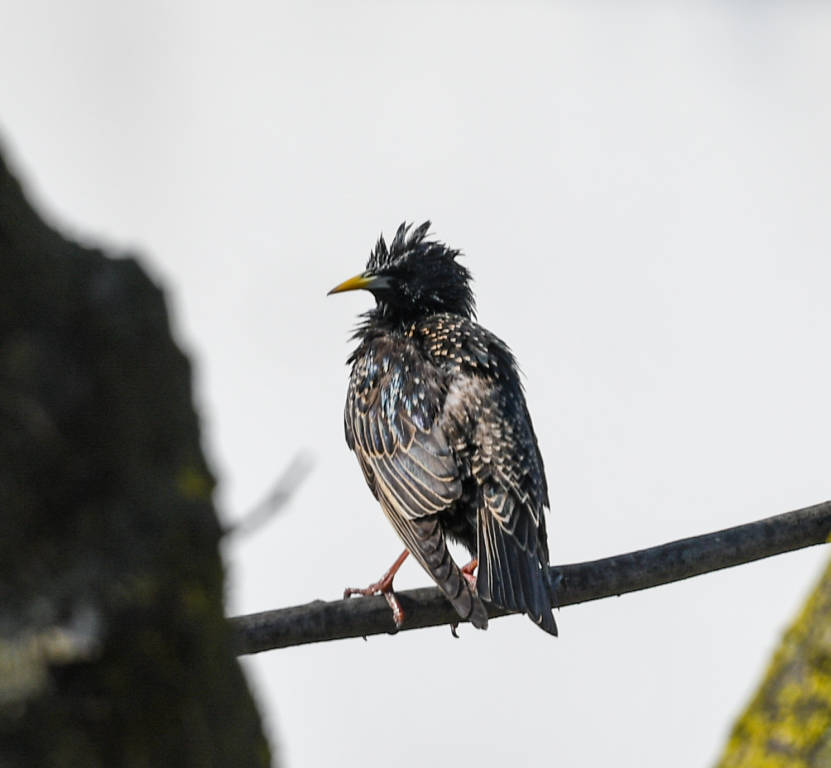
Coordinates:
x,y
114,650
788,722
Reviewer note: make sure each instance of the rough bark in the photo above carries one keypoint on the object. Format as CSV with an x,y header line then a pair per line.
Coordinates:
x,y
788,721
113,646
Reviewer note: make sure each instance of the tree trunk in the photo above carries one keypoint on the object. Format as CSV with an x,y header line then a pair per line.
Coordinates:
x,y
114,650
788,722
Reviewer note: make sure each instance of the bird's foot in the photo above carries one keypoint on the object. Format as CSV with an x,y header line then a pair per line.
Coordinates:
x,y
380,588
384,587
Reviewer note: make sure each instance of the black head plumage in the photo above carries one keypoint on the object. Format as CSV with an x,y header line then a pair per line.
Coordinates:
x,y
418,276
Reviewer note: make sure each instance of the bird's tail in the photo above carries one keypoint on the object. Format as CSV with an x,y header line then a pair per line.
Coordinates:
x,y
425,539
511,573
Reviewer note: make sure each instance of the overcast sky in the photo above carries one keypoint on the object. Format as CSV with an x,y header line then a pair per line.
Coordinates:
x,y
641,190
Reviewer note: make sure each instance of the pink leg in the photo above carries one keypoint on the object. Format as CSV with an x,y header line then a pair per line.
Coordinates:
x,y
467,572
384,586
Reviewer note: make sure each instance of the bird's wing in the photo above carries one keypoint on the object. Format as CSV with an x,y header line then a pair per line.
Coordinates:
x,y
513,571
413,468
409,466
390,422
512,546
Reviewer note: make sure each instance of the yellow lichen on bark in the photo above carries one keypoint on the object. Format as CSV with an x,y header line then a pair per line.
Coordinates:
x,y
788,722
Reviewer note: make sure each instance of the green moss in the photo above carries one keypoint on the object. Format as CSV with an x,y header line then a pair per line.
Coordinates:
x,y
194,484
788,722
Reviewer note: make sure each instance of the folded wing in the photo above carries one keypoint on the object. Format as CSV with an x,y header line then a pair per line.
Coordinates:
x,y
411,470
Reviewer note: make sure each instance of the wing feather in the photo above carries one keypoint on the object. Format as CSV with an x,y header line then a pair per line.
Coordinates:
x,y
419,491
512,545
412,471
513,566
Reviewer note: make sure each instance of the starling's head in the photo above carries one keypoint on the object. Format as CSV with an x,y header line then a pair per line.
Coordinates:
x,y
414,277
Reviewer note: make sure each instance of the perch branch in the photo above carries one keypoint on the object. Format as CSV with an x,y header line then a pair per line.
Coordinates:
x,y
581,582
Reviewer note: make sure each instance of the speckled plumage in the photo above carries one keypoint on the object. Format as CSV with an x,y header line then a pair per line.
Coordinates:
x,y
436,415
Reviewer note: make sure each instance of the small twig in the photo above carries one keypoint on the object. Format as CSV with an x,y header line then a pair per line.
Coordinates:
x,y
582,582
282,491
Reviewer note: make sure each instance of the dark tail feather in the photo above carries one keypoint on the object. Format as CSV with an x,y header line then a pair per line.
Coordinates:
x,y
512,577
430,549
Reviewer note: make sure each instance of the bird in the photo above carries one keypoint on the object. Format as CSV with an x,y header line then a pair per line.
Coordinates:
x,y
436,415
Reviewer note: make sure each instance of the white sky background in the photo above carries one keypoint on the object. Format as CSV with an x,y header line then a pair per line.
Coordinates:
x,y
642,191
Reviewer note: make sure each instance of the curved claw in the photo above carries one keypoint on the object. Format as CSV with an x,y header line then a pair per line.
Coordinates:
x,y
397,611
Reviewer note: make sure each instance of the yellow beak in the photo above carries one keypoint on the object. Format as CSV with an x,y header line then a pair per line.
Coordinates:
x,y
364,280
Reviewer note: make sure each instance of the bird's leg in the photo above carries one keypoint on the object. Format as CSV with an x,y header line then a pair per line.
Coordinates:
x,y
467,572
384,584
384,587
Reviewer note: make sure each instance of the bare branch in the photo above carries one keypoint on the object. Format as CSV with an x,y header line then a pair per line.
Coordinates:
x,y
319,620
280,495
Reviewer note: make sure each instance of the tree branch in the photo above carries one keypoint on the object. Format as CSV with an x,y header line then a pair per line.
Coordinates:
x,y
319,620
278,497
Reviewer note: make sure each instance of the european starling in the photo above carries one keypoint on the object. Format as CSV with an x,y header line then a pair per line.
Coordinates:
x,y
436,415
